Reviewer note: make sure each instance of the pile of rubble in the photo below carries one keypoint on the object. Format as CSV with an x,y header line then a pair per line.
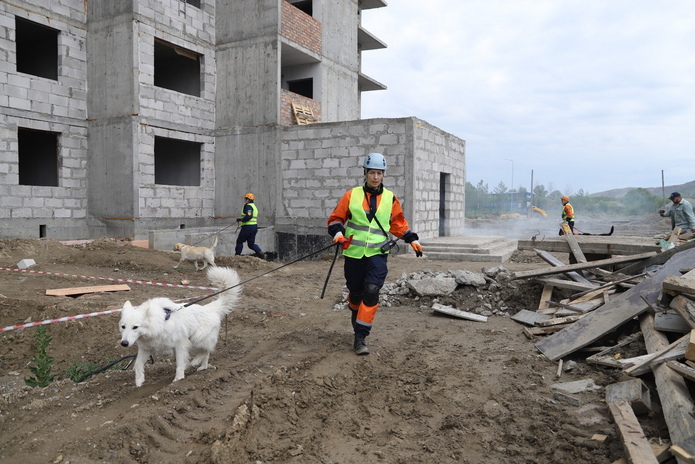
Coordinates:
x,y
658,290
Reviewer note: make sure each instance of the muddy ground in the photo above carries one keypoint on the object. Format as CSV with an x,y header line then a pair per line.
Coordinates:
x,y
286,386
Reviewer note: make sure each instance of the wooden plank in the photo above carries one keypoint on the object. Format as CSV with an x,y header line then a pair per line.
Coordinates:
x,y
579,266
679,284
660,451
544,330
635,443
659,258
529,317
682,455
550,259
670,321
568,284
590,294
673,238
612,361
458,313
690,348
577,252
592,244
683,369
676,402
622,308
546,294
560,320
685,309
673,351
83,290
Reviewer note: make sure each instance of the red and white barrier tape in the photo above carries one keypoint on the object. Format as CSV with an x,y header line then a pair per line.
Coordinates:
x,y
62,319
70,318
108,278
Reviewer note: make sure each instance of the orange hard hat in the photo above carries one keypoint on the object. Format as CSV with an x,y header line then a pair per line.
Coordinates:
x,y
566,198
249,196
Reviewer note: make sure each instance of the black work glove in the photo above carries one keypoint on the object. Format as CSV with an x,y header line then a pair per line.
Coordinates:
x,y
335,228
238,219
410,237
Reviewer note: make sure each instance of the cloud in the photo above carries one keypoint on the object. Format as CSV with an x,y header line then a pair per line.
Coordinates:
x,y
602,93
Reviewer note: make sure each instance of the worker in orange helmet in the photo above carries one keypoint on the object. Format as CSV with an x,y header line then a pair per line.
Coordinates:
x,y
567,214
360,224
248,222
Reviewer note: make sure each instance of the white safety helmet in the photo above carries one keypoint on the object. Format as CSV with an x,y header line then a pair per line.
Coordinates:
x,y
375,161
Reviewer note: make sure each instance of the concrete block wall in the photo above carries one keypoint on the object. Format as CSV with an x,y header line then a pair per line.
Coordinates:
x,y
436,152
321,162
175,202
60,106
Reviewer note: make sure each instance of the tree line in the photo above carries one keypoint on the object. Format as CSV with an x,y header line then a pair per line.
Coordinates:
x,y
481,201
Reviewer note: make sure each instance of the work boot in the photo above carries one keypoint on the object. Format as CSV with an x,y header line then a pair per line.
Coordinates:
x,y
360,346
260,255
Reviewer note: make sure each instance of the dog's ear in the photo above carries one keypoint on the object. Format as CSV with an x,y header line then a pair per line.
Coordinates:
x,y
177,247
127,305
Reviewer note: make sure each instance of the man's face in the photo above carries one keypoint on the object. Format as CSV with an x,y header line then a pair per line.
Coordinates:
x,y
374,177
676,200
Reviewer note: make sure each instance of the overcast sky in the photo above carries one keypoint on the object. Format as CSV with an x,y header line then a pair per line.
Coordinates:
x,y
589,94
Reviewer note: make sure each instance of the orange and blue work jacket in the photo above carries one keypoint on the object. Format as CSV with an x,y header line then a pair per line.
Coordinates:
x,y
353,211
568,213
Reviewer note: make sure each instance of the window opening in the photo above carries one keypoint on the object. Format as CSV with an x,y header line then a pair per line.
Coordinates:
x,y
195,3
176,162
303,87
38,157
42,231
176,68
37,49
306,6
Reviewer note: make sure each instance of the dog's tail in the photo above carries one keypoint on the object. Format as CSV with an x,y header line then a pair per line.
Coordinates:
x,y
222,278
214,244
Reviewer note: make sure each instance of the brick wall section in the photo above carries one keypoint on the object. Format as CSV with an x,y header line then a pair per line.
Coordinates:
x,y
287,115
300,28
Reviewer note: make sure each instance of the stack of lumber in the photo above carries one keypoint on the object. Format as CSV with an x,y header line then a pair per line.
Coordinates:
x,y
658,289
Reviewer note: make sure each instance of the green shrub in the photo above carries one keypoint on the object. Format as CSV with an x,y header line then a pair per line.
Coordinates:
x,y
42,364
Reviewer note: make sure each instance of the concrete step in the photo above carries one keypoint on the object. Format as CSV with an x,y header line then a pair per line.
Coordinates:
x,y
470,248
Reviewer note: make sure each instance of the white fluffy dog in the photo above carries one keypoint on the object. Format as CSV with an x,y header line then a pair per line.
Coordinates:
x,y
161,326
195,254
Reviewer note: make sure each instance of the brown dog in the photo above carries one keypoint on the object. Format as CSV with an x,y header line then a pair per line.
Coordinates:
x,y
195,254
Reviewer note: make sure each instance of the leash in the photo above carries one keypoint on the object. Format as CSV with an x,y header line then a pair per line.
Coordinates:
x,y
260,275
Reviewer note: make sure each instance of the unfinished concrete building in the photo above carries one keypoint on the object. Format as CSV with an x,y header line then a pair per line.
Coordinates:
x,y
124,117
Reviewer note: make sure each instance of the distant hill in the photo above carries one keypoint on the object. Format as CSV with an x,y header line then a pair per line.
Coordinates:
x,y
687,190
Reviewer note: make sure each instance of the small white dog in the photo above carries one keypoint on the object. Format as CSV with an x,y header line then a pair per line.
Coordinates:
x,y
195,254
161,326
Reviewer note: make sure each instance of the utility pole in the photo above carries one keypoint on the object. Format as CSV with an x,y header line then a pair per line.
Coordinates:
x,y
511,194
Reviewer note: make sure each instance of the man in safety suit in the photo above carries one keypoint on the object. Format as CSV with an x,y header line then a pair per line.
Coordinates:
x,y
567,214
360,224
249,227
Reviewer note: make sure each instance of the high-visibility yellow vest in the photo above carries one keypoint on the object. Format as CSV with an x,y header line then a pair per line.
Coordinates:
x,y
254,218
367,236
564,212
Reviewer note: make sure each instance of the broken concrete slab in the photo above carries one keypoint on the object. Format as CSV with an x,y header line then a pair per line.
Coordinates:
x,y
433,286
576,386
25,263
464,277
